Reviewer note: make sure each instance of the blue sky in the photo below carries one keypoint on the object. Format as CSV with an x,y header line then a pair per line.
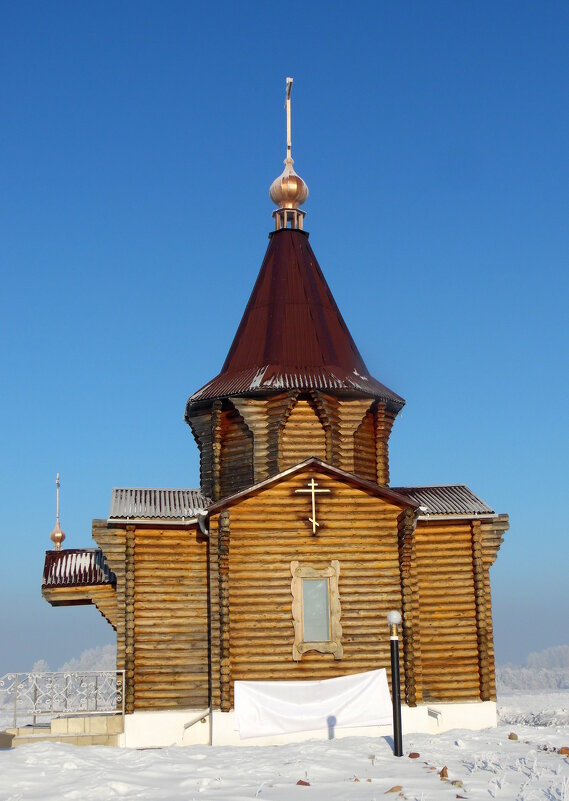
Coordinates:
x,y
137,147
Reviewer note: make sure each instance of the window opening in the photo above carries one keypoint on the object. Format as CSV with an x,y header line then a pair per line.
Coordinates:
x,y
316,610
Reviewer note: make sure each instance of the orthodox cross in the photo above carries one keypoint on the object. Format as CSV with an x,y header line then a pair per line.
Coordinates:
x,y
287,106
312,490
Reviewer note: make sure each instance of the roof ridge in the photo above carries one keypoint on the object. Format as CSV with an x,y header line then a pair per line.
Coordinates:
x,y
430,486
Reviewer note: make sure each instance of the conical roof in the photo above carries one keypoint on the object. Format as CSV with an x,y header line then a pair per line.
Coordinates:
x,y
292,335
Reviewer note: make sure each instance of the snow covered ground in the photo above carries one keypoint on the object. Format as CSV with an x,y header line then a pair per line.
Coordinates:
x,y
480,765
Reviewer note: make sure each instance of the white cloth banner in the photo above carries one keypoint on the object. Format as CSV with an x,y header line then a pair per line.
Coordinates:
x,y
265,708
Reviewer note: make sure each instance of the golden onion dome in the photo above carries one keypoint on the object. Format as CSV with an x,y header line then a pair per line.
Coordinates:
x,y
57,536
288,191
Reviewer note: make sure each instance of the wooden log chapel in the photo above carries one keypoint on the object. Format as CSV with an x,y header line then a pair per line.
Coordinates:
x,y
284,563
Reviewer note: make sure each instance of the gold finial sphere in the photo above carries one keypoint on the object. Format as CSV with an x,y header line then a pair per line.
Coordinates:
x,y
57,536
288,191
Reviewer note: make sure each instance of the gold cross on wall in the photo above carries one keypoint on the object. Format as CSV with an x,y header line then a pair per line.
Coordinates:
x,y
312,490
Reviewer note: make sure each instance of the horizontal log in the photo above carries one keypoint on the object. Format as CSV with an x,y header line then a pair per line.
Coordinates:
x,y
445,570
184,635
193,615
432,592
448,653
177,672
317,547
431,643
159,598
172,646
268,657
451,544
168,591
285,496
451,694
166,684
270,613
179,698
354,594
442,663
272,520
174,573
352,570
149,633
464,622
450,674
194,700
196,564
431,527
430,609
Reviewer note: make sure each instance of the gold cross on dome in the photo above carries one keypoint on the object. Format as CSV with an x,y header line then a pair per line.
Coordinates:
x,y
312,490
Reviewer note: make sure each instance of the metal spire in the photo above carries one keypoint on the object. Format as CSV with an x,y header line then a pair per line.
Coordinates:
x,y
288,191
57,536
57,499
288,127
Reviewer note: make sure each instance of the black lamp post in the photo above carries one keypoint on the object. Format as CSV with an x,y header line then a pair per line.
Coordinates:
x,y
394,619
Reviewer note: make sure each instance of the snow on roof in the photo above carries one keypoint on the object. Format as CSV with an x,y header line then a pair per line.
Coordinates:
x,y
153,503
74,567
446,499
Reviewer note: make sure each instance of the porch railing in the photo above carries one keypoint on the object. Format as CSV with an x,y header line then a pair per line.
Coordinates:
x,y
25,697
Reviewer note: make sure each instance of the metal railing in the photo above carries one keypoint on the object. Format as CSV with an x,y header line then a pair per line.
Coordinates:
x,y
25,697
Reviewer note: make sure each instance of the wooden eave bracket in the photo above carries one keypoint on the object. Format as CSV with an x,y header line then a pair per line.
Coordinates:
x,y
100,595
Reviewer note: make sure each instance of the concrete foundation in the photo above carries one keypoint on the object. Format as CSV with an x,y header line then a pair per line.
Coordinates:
x,y
159,729
74,730
162,729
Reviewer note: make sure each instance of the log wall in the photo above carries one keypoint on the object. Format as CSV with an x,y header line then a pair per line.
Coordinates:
x,y
448,611
492,535
437,574
346,415
170,619
365,458
303,436
256,413
384,420
112,541
200,424
270,530
236,452
411,623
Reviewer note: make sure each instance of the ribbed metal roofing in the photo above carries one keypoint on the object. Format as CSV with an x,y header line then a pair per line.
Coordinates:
x,y
446,499
165,504
270,378
292,335
75,567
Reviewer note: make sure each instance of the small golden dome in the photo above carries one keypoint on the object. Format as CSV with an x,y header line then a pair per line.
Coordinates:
x,y
288,191
57,536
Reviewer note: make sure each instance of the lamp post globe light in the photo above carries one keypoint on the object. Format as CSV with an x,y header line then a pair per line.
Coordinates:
x,y
394,620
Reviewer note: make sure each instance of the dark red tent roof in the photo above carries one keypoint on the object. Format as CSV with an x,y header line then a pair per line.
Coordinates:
x,y
292,335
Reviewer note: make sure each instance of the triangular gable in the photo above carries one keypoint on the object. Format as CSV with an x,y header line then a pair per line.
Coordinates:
x,y
334,472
